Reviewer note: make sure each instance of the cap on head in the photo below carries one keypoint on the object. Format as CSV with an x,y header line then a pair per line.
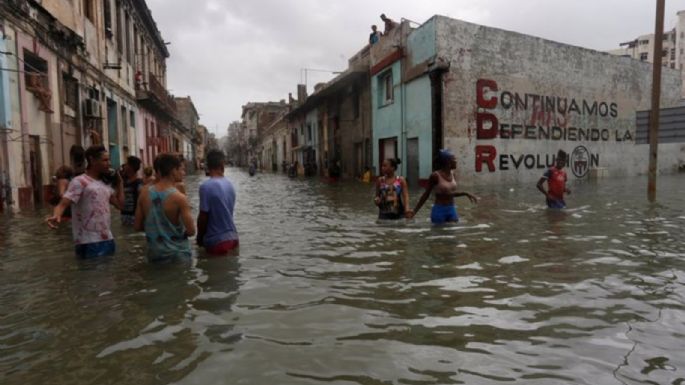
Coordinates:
x,y
444,156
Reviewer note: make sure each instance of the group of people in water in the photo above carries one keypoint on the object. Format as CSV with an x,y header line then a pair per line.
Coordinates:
x,y
392,195
157,205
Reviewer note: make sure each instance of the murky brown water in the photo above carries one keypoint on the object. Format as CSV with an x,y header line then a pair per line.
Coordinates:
x,y
320,293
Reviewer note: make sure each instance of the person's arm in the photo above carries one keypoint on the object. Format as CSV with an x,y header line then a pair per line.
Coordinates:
x,y
202,219
432,181
117,199
62,185
472,198
566,189
57,212
139,223
186,216
377,198
203,215
408,213
95,137
541,188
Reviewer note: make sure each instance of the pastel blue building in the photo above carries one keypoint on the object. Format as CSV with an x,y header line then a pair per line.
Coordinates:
x,y
403,101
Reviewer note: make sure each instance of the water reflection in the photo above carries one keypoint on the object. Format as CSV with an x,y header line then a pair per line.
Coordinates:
x,y
319,292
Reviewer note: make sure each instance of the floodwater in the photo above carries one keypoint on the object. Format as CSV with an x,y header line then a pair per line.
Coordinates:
x,y
322,294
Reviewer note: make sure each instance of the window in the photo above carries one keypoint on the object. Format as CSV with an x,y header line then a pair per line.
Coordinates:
x,y
672,53
120,27
644,56
107,11
644,42
70,91
673,65
35,70
127,35
309,132
88,10
132,119
385,88
664,53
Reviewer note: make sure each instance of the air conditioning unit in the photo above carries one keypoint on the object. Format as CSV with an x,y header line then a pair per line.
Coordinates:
x,y
91,108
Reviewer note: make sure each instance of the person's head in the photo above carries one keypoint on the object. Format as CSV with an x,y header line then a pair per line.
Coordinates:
x,y
169,167
389,166
383,17
64,172
446,160
77,155
374,28
148,171
98,159
132,166
155,164
215,160
561,159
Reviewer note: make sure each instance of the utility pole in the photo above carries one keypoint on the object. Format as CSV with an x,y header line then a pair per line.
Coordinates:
x,y
656,96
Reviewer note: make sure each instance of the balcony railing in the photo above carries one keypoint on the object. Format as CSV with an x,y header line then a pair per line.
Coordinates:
x,y
153,91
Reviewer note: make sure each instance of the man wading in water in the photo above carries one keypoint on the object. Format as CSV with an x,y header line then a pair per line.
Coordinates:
x,y
90,198
556,179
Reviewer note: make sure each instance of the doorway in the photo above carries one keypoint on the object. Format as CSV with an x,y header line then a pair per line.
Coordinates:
x,y
113,133
36,168
413,162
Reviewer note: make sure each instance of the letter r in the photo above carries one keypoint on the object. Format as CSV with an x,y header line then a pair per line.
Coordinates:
x,y
485,154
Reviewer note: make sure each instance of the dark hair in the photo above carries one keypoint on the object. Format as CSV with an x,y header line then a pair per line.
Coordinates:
x,y
77,155
166,163
94,152
155,163
215,159
133,162
394,162
561,154
64,172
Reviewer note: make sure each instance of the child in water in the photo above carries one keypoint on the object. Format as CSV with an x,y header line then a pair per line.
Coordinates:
x,y
444,183
556,179
392,195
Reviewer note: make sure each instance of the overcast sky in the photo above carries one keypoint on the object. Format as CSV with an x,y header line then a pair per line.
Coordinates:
x,y
225,53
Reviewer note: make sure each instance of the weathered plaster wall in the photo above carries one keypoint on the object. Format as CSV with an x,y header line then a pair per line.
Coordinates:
x,y
606,91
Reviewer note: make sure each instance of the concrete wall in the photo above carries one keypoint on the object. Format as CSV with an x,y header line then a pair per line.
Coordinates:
x,y
601,93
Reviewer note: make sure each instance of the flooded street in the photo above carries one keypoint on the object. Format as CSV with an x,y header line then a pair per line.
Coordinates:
x,y
321,293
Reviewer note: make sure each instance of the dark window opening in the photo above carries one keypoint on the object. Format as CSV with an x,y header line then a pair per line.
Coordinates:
x,y
107,11
88,10
70,91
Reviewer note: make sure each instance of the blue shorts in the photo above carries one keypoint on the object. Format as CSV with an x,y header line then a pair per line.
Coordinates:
x,y
556,204
97,249
444,213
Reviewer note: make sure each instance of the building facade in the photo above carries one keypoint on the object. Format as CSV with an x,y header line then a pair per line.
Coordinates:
x,y
673,48
76,73
505,102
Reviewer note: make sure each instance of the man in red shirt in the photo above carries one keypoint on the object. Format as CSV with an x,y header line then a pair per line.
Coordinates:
x,y
556,183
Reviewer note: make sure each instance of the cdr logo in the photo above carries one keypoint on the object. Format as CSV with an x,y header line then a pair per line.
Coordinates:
x,y
580,161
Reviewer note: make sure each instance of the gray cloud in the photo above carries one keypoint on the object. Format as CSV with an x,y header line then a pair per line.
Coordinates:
x,y
225,53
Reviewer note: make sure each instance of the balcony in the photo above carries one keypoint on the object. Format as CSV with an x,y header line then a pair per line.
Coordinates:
x,y
154,96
